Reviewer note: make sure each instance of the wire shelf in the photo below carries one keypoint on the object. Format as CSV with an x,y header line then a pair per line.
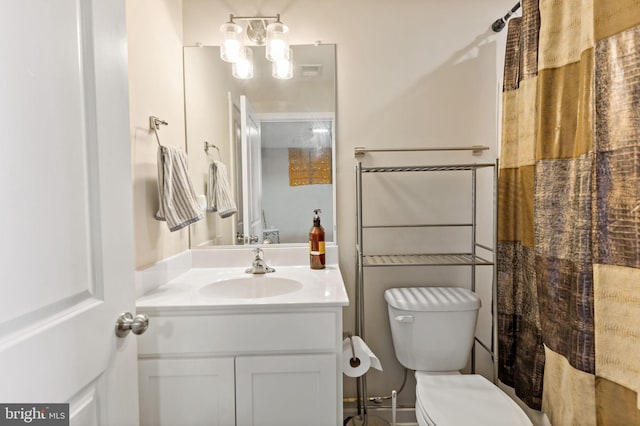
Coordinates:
x,y
446,168
439,259
467,259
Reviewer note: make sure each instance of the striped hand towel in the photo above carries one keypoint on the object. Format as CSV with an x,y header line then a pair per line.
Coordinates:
x,y
178,204
219,197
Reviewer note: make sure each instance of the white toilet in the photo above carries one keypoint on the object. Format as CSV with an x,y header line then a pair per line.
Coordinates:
x,y
433,331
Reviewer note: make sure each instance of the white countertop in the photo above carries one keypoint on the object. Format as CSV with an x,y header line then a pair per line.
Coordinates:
x,y
323,287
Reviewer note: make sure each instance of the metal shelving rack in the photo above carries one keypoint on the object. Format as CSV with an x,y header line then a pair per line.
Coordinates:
x,y
470,258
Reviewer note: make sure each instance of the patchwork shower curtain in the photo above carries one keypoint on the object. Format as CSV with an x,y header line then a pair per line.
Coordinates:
x,y
569,211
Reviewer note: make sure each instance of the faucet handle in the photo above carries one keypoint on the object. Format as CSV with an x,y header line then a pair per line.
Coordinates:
x,y
257,253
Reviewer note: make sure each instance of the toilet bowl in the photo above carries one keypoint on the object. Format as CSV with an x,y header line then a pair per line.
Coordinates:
x,y
433,332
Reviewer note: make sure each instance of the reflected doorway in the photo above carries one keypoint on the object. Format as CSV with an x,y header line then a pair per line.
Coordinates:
x,y
297,175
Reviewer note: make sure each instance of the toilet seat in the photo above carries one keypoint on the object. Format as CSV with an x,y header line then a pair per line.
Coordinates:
x,y
464,399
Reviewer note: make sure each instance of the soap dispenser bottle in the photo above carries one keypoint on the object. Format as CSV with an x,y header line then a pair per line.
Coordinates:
x,y
316,242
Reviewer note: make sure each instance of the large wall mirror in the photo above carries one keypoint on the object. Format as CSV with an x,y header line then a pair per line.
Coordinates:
x,y
275,138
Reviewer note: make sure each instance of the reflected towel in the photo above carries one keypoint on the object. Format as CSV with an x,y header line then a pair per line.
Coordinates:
x,y
219,198
178,204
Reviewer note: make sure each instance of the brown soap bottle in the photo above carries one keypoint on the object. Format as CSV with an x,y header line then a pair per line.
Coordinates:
x,y
316,242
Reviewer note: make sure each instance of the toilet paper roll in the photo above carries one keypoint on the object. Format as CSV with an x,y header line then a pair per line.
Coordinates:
x,y
364,357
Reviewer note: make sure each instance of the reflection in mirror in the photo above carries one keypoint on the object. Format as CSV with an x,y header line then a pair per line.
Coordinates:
x,y
276,138
296,177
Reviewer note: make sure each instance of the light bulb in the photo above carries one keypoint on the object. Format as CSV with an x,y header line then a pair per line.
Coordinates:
x,y
282,69
277,50
243,68
277,42
232,45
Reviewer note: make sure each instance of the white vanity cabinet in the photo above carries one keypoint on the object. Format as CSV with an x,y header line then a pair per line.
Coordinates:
x,y
187,391
286,390
245,366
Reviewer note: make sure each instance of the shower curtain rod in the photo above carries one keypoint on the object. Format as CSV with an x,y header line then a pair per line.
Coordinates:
x,y
499,23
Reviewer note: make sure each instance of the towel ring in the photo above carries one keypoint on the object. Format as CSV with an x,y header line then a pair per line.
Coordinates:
x,y
208,145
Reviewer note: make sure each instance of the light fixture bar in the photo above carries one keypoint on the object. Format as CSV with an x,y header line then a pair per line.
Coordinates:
x,y
253,18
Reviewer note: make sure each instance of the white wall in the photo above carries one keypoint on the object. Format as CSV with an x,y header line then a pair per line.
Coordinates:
x,y
414,73
154,30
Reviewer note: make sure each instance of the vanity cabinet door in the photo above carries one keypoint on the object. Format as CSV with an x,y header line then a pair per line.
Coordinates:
x,y
286,390
186,391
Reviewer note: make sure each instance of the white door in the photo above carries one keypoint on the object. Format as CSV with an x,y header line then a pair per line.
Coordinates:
x,y
252,170
66,254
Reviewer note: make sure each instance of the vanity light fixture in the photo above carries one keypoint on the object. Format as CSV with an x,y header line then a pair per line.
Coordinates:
x,y
261,30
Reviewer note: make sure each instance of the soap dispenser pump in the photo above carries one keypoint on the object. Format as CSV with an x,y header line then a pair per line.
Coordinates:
x,y
316,243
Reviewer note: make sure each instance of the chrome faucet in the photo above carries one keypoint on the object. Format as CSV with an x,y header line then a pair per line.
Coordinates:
x,y
258,266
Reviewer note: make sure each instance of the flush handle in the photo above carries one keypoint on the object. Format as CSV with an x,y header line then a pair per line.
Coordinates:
x,y
127,322
404,318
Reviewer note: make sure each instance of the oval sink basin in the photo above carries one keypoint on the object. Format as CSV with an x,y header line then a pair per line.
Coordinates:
x,y
252,287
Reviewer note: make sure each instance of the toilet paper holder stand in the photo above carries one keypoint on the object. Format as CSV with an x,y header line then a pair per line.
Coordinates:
x,y
363,418
354,361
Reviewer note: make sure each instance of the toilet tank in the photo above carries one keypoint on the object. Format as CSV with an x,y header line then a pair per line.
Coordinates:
x,y
432,327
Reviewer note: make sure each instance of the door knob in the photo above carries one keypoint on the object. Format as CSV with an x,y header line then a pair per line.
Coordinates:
x,y
127,322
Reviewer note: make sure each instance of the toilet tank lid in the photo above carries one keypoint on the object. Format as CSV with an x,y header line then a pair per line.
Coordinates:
x,y
430,299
